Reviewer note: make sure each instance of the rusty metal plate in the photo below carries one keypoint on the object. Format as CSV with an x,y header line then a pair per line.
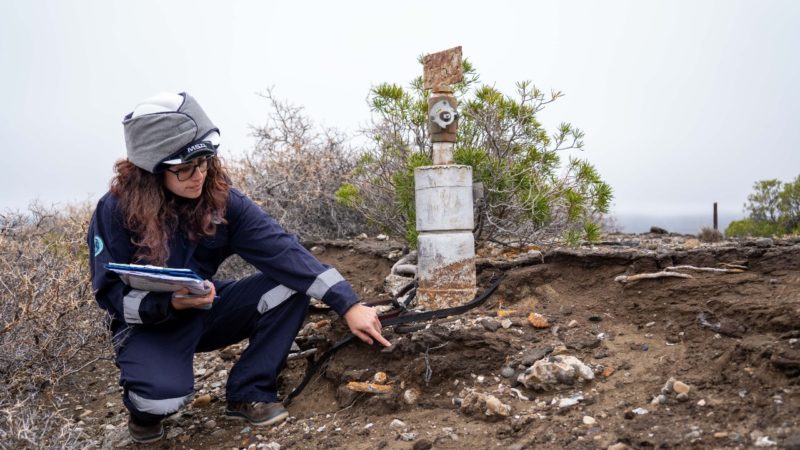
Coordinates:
x,y
442,68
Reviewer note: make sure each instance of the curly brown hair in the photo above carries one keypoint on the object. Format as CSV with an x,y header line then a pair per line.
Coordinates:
x,y
152,213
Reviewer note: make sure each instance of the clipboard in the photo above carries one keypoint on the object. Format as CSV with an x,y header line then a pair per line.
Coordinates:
x,y
159,279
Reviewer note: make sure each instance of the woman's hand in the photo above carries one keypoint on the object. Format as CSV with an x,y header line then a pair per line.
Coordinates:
x,y
181,299
363,322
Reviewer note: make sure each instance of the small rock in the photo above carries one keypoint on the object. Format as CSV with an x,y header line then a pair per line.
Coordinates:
x,y
449,432
667,388
397,424
680,387
682,397
270,446
174,432
530,357
660,399
362,236
595,318
422,444
380,377
673,339
600,353
211,424
629,415
494,407
720,434
555,370
201,401
317,250
490,324
765,441
608,371
692,435
483,405
764,242
589,420
538,321
640,411
507,372
572,323
567,402
411,396
506,323
381,237
702,402
408,437
618,446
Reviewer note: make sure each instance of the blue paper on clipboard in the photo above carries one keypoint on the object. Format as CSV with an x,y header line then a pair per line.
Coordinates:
x,y
159,279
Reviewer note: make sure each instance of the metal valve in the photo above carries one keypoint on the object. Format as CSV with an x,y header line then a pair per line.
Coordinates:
x,y
443,114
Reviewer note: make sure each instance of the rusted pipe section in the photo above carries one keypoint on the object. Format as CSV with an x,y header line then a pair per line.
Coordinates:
x,y
446,247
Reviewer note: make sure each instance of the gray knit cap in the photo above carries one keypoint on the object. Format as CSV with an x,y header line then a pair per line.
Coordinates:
x,y
168,129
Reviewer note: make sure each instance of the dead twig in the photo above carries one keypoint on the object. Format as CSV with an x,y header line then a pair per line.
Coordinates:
x,y
625,279
706,269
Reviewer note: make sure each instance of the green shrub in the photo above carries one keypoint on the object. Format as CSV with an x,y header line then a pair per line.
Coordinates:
x,y
529,193
751,228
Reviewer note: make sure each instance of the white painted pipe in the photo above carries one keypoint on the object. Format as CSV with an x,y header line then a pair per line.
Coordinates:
x,y
446,248
443,198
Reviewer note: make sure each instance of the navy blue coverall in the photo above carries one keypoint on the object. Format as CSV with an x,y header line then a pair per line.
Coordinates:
x,y
155,343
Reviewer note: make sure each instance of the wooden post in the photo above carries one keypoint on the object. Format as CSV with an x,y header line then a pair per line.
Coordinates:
x,y
716,227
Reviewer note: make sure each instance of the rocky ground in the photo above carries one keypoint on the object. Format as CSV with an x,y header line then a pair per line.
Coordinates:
x,y
564,355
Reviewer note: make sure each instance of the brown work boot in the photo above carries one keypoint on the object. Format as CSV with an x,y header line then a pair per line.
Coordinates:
x,y
257,413
144,434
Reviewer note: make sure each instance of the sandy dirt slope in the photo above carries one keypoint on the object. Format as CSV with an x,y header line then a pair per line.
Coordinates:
x,y
733,339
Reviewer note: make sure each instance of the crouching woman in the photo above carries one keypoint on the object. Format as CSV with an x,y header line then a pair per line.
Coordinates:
x,y
171,204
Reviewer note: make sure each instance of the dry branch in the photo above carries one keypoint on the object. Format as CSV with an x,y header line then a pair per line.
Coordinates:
x,y
624,279
706,269
672,272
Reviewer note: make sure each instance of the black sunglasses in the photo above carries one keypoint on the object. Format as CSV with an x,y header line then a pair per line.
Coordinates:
x,y
184,173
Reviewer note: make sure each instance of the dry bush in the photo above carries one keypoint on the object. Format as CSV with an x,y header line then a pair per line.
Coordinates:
x,y
710,235
294,171
50,327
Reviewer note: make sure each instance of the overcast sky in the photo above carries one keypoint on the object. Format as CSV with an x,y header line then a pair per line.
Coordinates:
x,y
684,103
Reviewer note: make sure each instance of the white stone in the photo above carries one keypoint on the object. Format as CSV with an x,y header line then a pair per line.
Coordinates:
x,y
589,420
765,441
397,424
411,396
408,436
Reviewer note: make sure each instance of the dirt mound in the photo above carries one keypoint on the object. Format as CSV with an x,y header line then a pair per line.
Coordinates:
x,y
711,361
